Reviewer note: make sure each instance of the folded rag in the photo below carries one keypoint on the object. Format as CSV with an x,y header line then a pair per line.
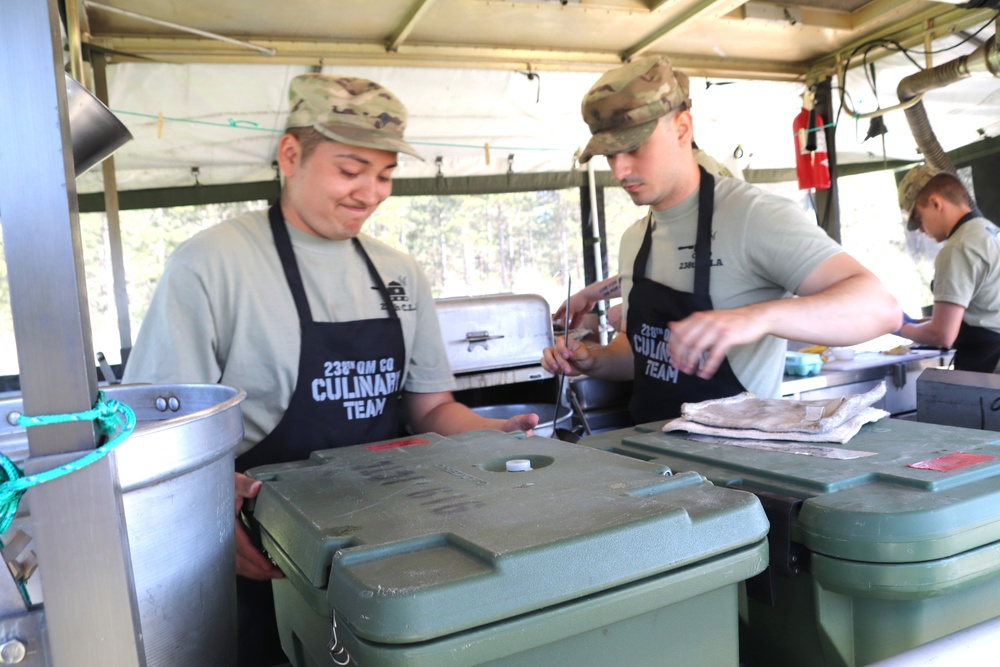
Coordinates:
x,y
746,416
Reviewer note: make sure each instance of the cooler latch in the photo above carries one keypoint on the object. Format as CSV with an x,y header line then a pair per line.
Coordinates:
x,y
474,338
338,652
898,374
787,558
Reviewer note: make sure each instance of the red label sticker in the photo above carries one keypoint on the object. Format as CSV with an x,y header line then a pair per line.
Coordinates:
x,y
950,462
395,444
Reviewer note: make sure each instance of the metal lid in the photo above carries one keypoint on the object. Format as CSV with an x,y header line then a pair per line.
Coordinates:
x,y
496,331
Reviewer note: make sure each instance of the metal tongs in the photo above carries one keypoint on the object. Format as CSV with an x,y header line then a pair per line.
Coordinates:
x,y
562,376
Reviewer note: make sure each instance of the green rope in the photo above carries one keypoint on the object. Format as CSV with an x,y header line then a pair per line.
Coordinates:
x,y
113,419
254,126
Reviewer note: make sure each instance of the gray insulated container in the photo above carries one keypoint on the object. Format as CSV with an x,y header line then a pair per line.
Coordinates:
x,y
427,551
877,546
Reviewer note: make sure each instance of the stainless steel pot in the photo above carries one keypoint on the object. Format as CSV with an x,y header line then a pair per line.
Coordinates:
x,y
176,476
95,131
545,412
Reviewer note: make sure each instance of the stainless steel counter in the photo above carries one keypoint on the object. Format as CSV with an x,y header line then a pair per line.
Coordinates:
x,y
841,378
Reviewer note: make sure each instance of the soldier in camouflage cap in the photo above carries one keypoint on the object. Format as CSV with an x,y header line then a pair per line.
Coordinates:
x,y
353,111
622,108
704,275
966,283
909,189
332,334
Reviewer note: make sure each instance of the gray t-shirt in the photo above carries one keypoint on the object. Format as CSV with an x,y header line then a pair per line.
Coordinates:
x,y
223,313
967,273
763,247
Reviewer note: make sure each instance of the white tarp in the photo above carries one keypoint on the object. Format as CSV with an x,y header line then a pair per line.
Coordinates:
x,y
226,119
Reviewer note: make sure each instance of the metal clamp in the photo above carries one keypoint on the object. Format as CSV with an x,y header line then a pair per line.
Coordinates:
x,y
898,374
474,338
787,558
338,652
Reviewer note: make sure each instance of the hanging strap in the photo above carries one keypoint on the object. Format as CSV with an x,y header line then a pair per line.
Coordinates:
x,y
703,237
283,243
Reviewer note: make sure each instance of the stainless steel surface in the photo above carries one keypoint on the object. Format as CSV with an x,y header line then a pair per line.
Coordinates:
x,y
92,615
959,398
94,130
603,404
545,412
595,242
22,640
900,374
12,652
596,393
176,477
114,224
493,332
501,377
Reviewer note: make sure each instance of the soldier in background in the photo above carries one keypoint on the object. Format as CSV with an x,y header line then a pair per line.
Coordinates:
x,y
966,270
705,276
582,302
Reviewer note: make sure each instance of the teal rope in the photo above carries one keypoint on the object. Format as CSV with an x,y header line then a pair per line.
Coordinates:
x,y
114,419
254,126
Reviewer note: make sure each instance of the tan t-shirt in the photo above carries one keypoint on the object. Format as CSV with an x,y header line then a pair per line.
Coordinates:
x,y
967,273
763,247
223,313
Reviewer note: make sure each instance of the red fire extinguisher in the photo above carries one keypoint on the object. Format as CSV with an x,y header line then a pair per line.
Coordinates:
x,y
811,161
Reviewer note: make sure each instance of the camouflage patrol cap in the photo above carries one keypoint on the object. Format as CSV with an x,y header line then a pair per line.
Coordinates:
x,y
909,189
622,108
353,111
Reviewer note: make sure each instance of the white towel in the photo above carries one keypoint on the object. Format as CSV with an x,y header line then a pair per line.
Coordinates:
x,y
746,416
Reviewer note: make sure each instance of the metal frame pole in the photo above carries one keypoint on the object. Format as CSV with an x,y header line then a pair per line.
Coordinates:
x,y
77,521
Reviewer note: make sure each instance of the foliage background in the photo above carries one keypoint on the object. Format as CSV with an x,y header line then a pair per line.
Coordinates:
x,y
527,243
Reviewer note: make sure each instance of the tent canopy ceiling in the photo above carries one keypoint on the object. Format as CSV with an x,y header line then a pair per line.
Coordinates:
x,y
493,86
705,37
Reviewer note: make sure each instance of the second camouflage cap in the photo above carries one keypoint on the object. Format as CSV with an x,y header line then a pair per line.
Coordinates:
x,y
909,189
353,111
621,109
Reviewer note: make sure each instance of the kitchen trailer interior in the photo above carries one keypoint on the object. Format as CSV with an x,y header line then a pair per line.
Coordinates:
x,y
494,89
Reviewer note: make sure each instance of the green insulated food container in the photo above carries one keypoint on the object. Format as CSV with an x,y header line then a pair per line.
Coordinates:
x,y
492,549
877,546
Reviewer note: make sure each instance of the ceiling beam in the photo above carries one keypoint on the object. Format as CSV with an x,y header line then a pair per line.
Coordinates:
x,y
946,19
176,26
329,54
416,13
811,17
697,10
880,11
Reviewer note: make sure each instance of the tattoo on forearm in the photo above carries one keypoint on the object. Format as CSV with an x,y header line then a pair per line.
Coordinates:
x,y
609,288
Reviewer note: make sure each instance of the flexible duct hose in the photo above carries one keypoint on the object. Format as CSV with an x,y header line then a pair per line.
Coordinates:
x,y
983,60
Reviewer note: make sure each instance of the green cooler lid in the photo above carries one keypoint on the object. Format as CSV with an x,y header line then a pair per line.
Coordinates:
x,y
898,492
414,539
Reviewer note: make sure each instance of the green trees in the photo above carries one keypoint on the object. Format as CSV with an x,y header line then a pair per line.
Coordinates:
x,y
525,242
